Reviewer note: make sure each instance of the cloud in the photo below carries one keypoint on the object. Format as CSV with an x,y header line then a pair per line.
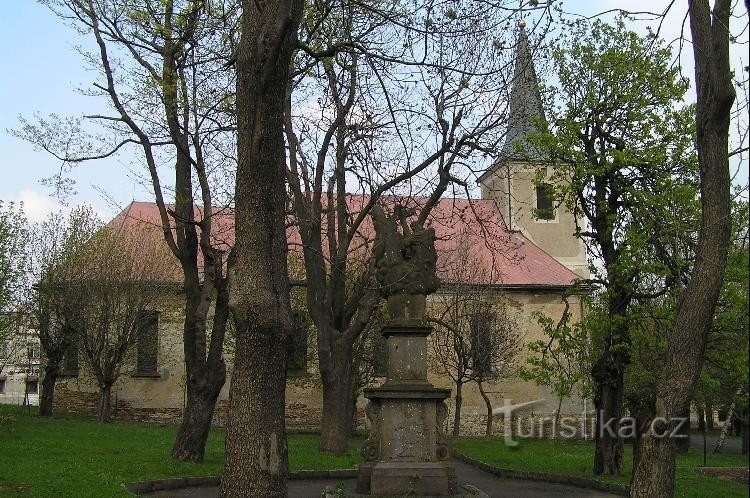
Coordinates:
x,y
36,206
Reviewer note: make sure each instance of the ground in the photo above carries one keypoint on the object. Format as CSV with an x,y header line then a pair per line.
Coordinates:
x,y
73,456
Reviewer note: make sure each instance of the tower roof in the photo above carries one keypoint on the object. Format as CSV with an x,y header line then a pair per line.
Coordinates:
x,y
525,106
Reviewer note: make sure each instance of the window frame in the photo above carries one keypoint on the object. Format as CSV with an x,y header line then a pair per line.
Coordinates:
x,y
546,187
151,369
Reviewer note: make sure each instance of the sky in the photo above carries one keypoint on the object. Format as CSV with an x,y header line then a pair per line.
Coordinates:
x,y
41,70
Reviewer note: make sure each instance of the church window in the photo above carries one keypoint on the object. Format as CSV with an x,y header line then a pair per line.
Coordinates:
x,y
147,326
70,361
545,210
481,327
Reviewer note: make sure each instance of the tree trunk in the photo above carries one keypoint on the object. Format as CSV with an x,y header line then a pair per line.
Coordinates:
x,y
255,458
190,443
659,453
608,402
725,429
682,442
457,414
557,417
105,403
701,417
205,378
745,436
47,398
709,417
488,405
654,475
338,403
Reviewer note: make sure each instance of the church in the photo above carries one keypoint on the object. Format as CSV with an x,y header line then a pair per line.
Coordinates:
x,y
522,243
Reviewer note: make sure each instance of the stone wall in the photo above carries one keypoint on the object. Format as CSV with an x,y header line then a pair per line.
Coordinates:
x,y
85,402
299,416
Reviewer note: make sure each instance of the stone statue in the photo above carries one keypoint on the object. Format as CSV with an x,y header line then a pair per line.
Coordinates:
x,y
405,262
407,453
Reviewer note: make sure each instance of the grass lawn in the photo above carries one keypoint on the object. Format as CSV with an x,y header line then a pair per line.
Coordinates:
x,y
74,456
574,458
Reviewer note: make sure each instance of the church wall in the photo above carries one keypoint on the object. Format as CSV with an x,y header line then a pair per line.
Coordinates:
x,y
523,304
160,399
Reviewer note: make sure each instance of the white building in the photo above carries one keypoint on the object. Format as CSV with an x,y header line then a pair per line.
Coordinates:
x,y
20,360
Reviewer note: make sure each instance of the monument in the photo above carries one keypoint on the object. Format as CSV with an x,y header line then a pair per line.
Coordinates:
x,y
407,451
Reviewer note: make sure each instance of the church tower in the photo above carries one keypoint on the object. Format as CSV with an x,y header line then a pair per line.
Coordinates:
x,y
525,205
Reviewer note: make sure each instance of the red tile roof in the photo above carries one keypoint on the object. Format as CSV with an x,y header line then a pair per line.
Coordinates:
x,y
473,244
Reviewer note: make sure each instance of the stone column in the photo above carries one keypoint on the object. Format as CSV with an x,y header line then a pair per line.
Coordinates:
x,y
407,452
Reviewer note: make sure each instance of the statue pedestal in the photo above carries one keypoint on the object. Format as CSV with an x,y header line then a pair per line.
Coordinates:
x,y
407,452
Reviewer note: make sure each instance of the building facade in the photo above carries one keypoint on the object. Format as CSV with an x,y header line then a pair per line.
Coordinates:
x,y
20,361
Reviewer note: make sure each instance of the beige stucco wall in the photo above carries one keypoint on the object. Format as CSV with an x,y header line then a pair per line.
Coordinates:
x,y
523,307
553,236
152,393
161,399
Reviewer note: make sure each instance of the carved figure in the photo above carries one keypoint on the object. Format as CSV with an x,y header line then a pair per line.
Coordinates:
x,y
405,261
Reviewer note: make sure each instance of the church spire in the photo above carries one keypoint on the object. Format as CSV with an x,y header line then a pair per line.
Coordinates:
x,y
525,105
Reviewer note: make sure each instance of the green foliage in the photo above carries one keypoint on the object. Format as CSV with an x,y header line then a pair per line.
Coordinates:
x,y
725,371
622,148
13,240
651,322
563,360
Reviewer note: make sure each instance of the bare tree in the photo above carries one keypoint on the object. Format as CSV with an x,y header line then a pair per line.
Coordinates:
x,y
476,338
53,242
116,280
162,70
386,100
13,259
496,344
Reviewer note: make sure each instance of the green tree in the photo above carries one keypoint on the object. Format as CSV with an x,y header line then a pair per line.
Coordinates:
x,y
55,309
562,361
13,240
621,149
653,474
